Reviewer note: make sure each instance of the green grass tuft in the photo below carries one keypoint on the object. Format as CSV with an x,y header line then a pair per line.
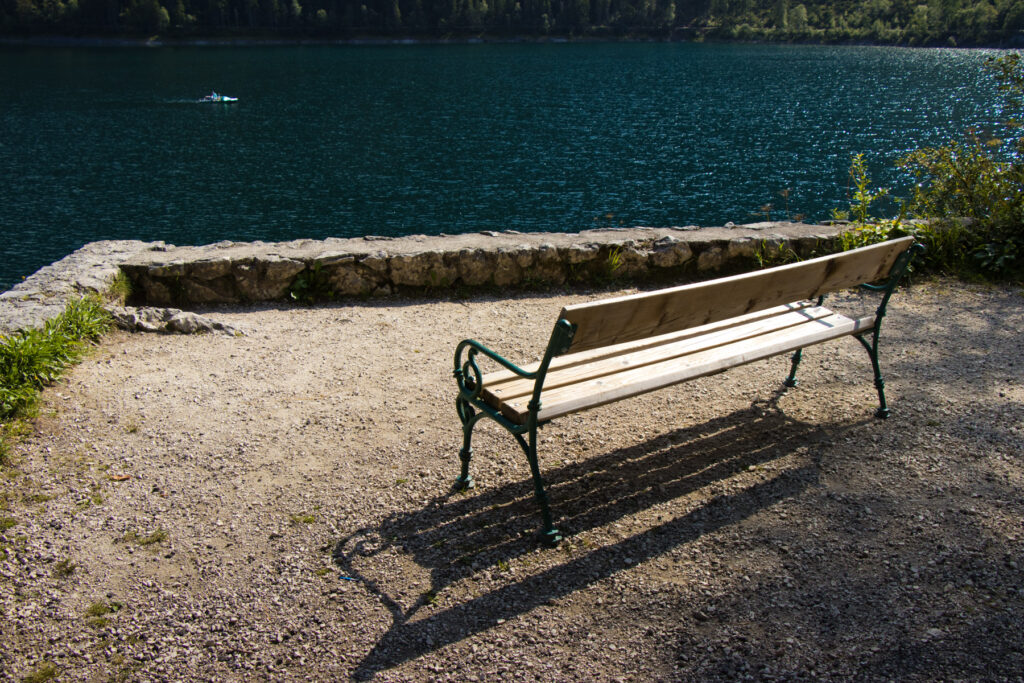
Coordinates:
x,y
47,671
33,359
120,288
64,568
303,518
158,536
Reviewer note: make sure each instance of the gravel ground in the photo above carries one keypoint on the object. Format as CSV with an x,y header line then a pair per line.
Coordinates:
x,y
278,506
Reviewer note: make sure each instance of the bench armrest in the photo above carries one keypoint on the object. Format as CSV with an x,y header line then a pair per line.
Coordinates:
x,y
467,372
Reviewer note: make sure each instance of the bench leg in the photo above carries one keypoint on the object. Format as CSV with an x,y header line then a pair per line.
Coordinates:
x,y
791,380
549,535
872,348
469,418
883,409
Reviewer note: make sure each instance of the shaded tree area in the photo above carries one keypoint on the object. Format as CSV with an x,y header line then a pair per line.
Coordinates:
x,y
906,22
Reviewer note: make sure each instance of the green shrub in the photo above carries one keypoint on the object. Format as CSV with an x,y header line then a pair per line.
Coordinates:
x,y
948,244
981,180
967,197
863,195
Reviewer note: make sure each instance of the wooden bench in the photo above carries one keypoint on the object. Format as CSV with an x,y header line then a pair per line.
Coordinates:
x,y
605,351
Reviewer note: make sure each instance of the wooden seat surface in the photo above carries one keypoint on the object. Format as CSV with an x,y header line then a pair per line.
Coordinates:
x,y
578,381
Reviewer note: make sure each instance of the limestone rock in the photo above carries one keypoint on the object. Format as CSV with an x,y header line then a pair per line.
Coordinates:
x,y
43,295
581,253
167,320
209,292
209,268
475,266
632,260
507,270
424,269
711,259
548,267
349,277
156,292
187,322
266,277
669,252
742,248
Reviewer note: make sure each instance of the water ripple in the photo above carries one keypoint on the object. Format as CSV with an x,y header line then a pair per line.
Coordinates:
x,y
345,141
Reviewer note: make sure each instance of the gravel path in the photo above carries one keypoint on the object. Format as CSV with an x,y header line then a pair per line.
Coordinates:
x,y
277,506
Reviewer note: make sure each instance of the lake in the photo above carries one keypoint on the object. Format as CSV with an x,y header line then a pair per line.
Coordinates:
x,y
348,140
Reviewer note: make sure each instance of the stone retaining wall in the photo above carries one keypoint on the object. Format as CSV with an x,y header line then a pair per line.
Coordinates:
x,y
310,270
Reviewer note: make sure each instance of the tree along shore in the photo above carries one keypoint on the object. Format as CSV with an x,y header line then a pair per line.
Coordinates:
x,y
896,22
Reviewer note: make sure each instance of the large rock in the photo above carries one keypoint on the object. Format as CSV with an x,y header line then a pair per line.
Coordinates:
x,y
476,266
168,321
423,269
265,278
670,252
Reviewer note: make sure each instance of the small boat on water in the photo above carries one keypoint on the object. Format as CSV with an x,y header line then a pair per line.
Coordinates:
x,y
217,97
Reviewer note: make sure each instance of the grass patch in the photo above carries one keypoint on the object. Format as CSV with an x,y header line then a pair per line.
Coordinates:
x,y
47,671
158,536
95,498
37,498
769,255
97,613
33,359
5,449
120,288
64,568
304,518
98,609
311,286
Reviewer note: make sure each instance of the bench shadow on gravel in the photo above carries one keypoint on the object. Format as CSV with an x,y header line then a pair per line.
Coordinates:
x,y
457,535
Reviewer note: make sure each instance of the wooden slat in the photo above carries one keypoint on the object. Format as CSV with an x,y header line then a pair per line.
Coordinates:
x,y
635,355
638,316
591,355
594,392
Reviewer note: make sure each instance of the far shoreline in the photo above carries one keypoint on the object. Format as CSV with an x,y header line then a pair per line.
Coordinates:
x,y
384,41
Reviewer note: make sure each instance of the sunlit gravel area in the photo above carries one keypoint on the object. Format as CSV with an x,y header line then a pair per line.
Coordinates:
x,y
278,506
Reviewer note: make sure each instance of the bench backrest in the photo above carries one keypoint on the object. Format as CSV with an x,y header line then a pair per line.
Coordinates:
x,y
638,316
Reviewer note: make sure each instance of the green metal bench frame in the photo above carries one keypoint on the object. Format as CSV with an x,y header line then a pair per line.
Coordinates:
x,y
472,408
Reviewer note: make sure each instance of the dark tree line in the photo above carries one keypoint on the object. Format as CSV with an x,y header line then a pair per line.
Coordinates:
x,y
914,22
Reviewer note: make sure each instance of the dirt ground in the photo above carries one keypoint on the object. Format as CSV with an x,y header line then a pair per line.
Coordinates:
x,y
278,506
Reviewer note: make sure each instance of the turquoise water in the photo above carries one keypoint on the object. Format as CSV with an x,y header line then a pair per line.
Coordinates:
x,y
105,143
